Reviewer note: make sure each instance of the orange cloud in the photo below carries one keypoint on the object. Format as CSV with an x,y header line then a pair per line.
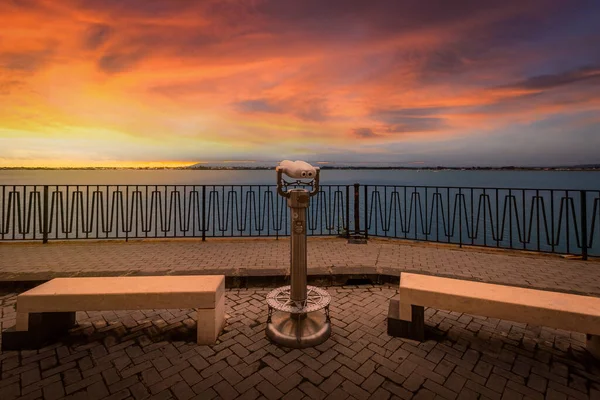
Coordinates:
x,y
181,81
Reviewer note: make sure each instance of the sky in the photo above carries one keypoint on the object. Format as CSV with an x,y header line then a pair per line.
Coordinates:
x,y
176,82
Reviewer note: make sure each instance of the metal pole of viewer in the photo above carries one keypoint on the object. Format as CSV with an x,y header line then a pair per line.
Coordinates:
x,y
294,318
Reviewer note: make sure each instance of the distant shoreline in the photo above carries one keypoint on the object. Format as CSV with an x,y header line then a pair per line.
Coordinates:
x,y
508,168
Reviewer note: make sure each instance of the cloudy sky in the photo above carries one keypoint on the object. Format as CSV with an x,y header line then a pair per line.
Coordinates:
x,y
137,82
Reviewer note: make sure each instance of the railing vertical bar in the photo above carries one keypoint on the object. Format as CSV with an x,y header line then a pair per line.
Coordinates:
x,y
66,213
203,213
137,210
537,207
356,210
448,213
32,214
108,204
498,220
525,239
460,216
375,206
182,214
385,213
415,196
425,222
157,211
510,217
5,216
276,204
147,214
15,210
567,198
127,212
437,215
75,209
553,241
85,213
484,219
45,217
97,217
583,215
366,211
472,216
347,211
22,225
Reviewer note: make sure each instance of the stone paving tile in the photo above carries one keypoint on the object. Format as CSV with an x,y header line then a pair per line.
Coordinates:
x,y
268,257
156,357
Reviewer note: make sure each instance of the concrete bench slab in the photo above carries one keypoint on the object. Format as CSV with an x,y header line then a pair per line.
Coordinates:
x,y
50,308
539,307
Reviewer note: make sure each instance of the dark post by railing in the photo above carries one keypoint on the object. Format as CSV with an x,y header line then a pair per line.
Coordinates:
x,y
459,217
203,213
356,214
126,214
45,216
347,212
366,214
584,239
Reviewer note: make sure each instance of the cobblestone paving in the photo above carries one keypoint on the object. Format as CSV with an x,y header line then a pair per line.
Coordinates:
x,y
138,355
326,256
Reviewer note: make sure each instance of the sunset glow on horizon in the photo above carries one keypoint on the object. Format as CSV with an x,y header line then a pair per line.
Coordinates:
x,y
176,82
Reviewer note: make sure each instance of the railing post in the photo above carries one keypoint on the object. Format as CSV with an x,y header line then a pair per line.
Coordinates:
x,y
45,216
366,215
583,202
203,213
127,212
356,214
347,211
460,217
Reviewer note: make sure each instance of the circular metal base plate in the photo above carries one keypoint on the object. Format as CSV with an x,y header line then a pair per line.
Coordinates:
x,y
310,330
316,299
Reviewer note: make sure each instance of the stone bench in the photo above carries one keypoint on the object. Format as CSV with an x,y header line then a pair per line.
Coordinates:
x,y
48,310
538,307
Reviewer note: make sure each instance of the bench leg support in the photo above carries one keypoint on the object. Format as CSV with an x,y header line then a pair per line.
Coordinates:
x,y
414,329
211,322
593,345
42,329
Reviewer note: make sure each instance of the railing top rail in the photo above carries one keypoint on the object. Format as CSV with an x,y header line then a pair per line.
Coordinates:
x,y
156,184
483,187
325,185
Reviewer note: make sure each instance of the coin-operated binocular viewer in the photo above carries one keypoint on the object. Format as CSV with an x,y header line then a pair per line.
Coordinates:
x,y
296,318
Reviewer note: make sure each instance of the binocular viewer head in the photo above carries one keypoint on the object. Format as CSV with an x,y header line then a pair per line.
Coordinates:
x,y
297,169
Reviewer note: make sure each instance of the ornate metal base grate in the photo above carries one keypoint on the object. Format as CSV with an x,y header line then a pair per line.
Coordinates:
x,y
316,299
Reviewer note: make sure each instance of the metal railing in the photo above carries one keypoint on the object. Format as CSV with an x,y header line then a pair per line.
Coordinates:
x,y
557,221
160,211
542,220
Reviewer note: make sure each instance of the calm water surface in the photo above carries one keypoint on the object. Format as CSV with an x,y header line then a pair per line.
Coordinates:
x,y
508,179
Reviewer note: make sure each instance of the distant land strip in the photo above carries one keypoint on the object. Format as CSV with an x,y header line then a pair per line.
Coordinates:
x,y
593,167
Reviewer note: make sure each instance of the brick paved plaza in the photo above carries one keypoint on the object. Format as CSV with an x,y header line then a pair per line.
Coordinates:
x,y
270,257
137,354
153,354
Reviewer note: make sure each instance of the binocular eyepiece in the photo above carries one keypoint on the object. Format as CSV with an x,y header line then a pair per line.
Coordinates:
x,y
297,169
